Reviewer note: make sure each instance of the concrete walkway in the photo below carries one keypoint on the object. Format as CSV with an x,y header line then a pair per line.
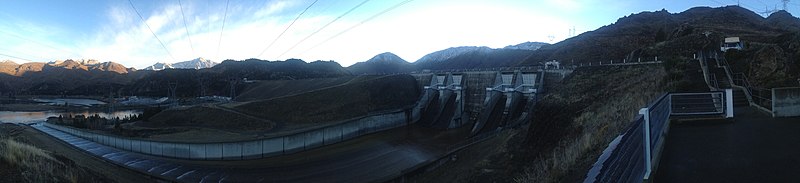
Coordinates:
x,y
753,147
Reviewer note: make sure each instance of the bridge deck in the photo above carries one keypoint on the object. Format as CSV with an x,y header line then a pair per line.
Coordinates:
x,y
751,148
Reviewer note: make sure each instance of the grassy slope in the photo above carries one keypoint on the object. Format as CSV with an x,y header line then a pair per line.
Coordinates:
x,y
337,103
20,162
279,88
208,117
577,120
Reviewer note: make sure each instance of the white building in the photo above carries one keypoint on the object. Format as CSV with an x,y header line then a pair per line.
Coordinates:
x,y
732,43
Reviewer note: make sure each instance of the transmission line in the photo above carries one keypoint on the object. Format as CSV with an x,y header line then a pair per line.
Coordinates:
x,y
323,27
29,60
151,30
359,24
287,28
188,36
39,43
225,16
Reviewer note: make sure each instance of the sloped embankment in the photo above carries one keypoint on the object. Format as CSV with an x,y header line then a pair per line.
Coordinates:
x,y
337,103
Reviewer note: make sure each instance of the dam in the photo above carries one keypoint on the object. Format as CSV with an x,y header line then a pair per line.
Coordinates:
x,y
453,107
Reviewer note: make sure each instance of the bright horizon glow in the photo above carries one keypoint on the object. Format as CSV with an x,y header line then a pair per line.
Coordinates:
x,y
43,30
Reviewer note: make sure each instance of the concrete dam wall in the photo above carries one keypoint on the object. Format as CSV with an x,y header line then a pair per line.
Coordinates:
x,y
485,99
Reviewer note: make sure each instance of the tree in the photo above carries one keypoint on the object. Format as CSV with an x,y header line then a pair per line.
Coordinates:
x,y
661,35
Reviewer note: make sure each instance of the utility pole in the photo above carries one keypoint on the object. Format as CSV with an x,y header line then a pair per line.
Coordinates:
x,y
232,82
173,87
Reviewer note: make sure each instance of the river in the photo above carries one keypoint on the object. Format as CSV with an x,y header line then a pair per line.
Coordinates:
x,y
27,117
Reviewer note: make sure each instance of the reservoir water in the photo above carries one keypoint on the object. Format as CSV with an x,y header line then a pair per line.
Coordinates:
x,y
39,116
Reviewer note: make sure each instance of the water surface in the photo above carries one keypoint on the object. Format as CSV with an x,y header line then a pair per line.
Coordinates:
x,y
39,116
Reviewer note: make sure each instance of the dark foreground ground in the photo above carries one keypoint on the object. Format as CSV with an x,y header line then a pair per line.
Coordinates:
x,y
753,147
372,158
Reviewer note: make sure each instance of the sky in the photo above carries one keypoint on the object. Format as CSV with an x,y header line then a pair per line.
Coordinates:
x,y
345,31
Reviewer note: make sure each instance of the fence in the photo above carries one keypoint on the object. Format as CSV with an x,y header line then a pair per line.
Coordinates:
x,y
639,61
252,149
630,157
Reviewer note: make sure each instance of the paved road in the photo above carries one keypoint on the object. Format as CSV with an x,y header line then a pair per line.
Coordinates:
x,y
368,158
753,147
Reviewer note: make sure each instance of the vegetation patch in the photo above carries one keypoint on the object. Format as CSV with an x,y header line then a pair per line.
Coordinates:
x,y
26,163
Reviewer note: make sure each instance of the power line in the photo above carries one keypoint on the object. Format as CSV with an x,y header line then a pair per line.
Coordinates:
x,y
151,30
287,28
323,27
359,24
29,60
188,36
225,16
39,43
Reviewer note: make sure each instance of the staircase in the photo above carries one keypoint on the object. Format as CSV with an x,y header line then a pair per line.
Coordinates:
x,y
719,72
739,98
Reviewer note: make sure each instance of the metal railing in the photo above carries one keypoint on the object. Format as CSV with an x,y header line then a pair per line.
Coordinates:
x,y
630,157
713,80
707,103
761,97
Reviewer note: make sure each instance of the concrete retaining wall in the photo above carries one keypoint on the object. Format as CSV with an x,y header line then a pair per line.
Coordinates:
x,y
786,102
252,149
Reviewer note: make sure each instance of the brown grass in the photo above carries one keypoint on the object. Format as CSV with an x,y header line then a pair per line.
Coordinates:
x,y
36,165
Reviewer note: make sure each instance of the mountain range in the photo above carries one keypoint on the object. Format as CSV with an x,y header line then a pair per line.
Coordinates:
x,y
198,63
642,35
463,57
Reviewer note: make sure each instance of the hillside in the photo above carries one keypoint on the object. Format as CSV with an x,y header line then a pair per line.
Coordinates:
x,y
89,77
527,46
216,80
471,58
280,88
337,103
650,34
381,64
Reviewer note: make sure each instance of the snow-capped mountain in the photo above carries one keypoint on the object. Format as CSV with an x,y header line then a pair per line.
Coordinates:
x,y
86,62
526,46
198,63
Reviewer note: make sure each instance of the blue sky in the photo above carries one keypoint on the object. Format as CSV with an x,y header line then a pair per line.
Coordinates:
x,y
110,30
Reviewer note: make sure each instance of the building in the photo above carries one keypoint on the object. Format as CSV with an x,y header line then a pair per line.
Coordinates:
x,y
552,64
732,43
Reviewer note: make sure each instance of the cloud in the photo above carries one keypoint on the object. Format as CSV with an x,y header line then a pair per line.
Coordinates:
x,y
410,31
124,38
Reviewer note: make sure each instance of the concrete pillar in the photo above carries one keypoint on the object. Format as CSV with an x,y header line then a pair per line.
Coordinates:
x,y
645,112
728,103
